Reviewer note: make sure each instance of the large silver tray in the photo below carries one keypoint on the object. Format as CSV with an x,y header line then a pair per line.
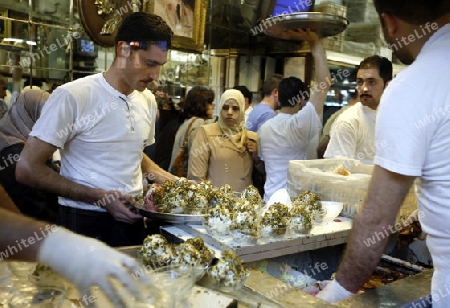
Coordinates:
x,y
173,218
323,24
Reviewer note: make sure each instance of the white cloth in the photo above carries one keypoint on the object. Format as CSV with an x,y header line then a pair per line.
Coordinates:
x,y
101,134
283,138
414,122
353,134
247,112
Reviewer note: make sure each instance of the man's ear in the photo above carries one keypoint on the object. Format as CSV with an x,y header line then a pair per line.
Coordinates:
x,y
390,23
123,49
275,92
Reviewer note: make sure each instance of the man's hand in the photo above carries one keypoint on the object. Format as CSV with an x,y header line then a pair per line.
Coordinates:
x,y
87,262
120,206
411,230
300,34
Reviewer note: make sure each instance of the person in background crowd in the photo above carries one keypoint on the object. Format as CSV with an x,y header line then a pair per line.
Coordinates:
x,y
353,133
265,110
248,99
353,99
223,152
166,128
101,123
197,108
287,136
3,89
415,130
35,84
91,261
14,130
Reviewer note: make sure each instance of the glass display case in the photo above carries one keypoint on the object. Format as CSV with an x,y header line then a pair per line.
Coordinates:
x,y
37,36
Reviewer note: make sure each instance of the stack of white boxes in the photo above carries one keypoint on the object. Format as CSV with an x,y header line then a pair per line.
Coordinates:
x,y
333,43
364,36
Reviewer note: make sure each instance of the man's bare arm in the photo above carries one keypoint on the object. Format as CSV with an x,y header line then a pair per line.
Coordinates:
x,y
322,76
32,170
386,193
16,227
6,202
153,172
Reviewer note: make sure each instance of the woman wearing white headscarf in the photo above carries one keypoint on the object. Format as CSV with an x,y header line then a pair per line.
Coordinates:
x,y
223,152
15,127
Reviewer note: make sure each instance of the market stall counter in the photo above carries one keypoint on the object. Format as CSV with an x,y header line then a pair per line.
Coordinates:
x,y
326,234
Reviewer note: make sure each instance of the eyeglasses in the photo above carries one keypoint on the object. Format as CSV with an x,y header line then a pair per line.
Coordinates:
x,y
164,45
226,108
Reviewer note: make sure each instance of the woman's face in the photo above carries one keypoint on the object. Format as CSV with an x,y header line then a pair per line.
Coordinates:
x,y
209,111
230,112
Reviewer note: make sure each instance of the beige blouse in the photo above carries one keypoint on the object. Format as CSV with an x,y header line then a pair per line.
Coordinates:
x,y
213,157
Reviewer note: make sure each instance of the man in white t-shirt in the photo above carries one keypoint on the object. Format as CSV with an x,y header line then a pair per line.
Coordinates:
x,y
287,136
101,124
353,133
414,122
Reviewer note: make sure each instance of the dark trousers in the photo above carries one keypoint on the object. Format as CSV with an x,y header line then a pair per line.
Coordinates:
x,y
102,226
30,201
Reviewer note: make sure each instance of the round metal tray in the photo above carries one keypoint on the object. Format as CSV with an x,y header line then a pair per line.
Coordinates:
x,y
173,218
323,24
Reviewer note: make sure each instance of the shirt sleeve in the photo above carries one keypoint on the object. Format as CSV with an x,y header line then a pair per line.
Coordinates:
x,y
57,123
342,140
402,134
199,156
153,106
306,123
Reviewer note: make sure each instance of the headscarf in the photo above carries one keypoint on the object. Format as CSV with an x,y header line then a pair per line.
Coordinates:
x,y
237,133
16,125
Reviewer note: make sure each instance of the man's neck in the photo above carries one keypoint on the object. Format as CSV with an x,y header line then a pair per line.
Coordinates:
x,y
290,109
270,101
114,79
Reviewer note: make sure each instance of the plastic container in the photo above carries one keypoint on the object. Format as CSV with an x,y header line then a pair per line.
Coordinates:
x,y
332,208
314,175
317,217
246,237
214,284
297,227
276,233
38,297
177,281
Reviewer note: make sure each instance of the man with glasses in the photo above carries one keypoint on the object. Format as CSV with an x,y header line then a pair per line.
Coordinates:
x,y
101,124
353,133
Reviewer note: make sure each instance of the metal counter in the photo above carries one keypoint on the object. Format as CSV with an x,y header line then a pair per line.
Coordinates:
x,y
396,294
263,290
